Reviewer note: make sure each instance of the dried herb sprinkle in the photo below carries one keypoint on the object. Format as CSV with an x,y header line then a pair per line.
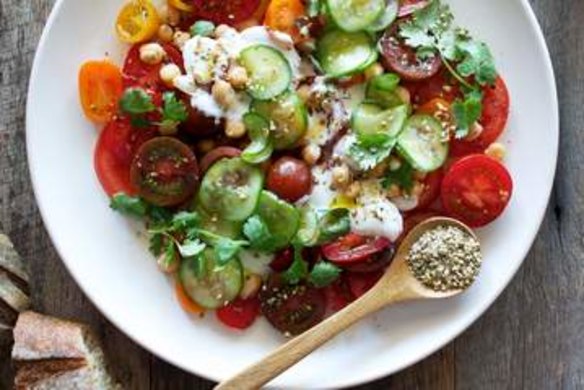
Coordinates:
x,y
445,258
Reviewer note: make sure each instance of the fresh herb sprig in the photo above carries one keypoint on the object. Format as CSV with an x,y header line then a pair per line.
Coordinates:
x,y
137,102
323,273
368,157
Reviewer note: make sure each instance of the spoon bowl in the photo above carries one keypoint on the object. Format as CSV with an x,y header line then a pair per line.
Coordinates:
x,y
397,285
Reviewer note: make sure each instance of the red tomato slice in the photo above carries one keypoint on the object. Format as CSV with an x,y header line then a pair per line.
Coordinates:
x,y
408,7
338,295
114,152
361,283
139,74
282,261
217,154
476,190
226,12
431,191
403,60
239,314
441,85
344,254
496,104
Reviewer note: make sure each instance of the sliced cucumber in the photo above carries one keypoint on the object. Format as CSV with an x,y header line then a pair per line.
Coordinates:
x,y
269,71
217,225
281,218
382,90
355,15
231,189
423,143
374,125
386,18
342,53
209,284
288,119
260,149
307,233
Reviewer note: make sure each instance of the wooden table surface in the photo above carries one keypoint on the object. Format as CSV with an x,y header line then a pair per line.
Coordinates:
x,y
532,337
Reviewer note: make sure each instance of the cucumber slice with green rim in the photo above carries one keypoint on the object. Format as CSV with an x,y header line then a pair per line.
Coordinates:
x,y
388,16
209,284
288,119
307,233
269,71
343,53
355,15
382,90
260,149
374,125
231,189
217,225
423,143
281,218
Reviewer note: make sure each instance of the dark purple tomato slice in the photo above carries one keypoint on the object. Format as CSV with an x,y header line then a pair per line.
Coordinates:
x,y
165,171
399,58
217,154
376,262
349,251
292,309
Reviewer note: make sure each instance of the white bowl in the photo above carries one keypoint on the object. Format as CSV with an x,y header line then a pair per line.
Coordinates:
x,y
111,263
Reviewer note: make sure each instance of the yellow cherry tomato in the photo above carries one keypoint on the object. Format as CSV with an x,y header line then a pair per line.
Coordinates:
x,y
182,5
137,22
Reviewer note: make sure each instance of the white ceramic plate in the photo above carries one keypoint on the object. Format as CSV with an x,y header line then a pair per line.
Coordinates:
x,y
112,264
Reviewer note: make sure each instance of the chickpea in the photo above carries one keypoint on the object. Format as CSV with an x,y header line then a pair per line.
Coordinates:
x,y
234,129
152,53
497,151
251,286
341,176
237,77
223,93
165,33
221,30
205,145
404,95
168,73
373,70
180,38
475,131
311,154
394,163
304,93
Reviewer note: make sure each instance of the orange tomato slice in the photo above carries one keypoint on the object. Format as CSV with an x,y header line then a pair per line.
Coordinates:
x,y
138,21
185,301
100,88
282,15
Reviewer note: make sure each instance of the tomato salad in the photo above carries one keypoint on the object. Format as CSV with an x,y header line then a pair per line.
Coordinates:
x,y
278,150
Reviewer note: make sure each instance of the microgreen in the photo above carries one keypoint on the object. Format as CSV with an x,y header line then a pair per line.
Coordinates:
x,y
324,273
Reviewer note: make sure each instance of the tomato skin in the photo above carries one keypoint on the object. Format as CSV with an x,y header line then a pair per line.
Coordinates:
x,y
115,149
376,262
363,282
282,260
137,21
239,314
100,89
398,57
476,190
217,154
289,178
139,74
342,254
229,12
432,184
338,295
496,104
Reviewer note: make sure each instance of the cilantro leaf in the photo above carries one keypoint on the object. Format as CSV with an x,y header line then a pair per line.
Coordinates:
x,y
477,61
368,158
402,177
174,111
185,220
466,112
169,255
156,243
129,205
226,249
136,101
191,247
333,224
324,273
298,270
258,234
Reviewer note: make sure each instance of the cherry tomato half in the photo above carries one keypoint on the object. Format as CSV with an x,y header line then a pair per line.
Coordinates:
x,y
431,191
138,21
442,85
376,262
496,104
217,154
114,152
226,12
239,314
289,178
282,260
344,252
362,282
476,190
283,14
403,60
338,295
165,171
139,74
292,309
100,89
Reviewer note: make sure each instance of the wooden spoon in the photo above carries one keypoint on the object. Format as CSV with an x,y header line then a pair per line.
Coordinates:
x,y
397,285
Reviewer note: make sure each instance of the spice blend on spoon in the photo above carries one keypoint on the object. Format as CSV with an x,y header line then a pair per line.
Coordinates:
x,y
445,258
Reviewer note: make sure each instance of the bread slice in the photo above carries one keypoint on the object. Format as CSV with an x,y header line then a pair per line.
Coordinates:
x,y
50,353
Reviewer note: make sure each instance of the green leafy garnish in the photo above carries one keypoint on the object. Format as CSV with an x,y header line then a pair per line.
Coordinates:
x,y
334,224
466,112
191,247
129,205
298,270
403,177
323,274
258,234
136,101
368,158
174,111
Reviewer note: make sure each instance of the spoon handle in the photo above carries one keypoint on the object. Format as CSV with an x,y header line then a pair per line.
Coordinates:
x,y
299,347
